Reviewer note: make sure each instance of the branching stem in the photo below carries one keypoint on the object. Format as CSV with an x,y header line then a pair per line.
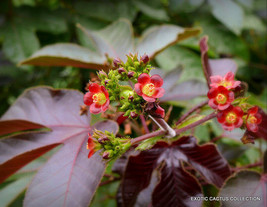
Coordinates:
x,y
162,132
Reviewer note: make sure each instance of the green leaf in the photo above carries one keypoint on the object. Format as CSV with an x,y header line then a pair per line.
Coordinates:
x,y
152,9
106,10
115,40
147,144
253,22
229,13
190,62
64,54
157,38
10,192
42,19
20,41
190,120
182,6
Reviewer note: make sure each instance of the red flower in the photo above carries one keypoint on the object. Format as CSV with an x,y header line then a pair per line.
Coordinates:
x,y
230,118
149,87
227,81
90,145
97,98
220,98
253,119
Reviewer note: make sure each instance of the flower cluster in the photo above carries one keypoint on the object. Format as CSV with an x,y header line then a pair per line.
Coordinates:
x,y
131,99
231,114
111,146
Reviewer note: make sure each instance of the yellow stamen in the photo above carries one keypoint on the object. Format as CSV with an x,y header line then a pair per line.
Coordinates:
x,y
99,98
221,99
149,89
252,119
231,118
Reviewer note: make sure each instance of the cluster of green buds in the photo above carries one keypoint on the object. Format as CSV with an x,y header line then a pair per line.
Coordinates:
x,y
111,147
117,81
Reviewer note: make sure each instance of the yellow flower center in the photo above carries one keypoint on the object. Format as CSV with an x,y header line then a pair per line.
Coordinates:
x,y
99,98
225,84
221,99
231,118
252,119
148,89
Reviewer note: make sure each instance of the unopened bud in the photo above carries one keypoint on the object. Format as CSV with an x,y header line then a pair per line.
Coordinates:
x,y
106,82
121,70
106,155
116,62
130,74
102,140
102,74
133,115
131,98
145,59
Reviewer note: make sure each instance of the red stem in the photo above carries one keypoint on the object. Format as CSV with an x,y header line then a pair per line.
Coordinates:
x,y
143,120
191,111
178,131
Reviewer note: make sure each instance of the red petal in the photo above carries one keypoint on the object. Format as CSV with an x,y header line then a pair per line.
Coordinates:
x,y
95,109
221,117
212,93
238,111
239,122
104,107
160,111
94,87
231,97
253,110
215,80
212,104
105,91
148,99
91,153
144,78
236,83
230,76
138,89
223,107
228,128
258,117
159,92
253,127
223,90
156,80
87,98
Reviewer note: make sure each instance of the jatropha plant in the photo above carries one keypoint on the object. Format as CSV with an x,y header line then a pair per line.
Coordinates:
x,y
134,92
153,152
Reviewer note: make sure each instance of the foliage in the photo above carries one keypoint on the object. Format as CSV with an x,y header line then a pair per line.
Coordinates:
x,y
44,129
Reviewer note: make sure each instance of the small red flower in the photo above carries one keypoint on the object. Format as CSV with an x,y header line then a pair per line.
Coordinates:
x,y
220,98
97,98
227,81
90,146
230,118
149,87
253,119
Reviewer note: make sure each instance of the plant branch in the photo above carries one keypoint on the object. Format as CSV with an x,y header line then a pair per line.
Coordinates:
x,y
144,123
191,111
201,121
247,166
164,126
177,131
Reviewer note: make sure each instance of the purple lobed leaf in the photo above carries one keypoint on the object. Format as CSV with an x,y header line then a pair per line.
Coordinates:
x,y
205,159
69,177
